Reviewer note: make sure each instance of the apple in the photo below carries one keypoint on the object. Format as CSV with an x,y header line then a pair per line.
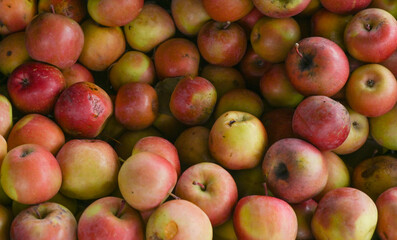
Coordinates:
x,y
30,174
344,7
193,100
387,5
371,90
338,174
358,134
280,8
272,38
237,140
210,187
345,213
160,146
125,143
189,22
383,127
146,179
136,105
289,165
224,79
16,15
240,99
304,213
89,168
375,175
6,116
222,43
76,73
102,45
366,30
34,87
387,210
278,124
83,109
277,89
152,26
227,10
107,13
112,219
12,52
171,221
263,217
133,66
390,63
45,221
322,121
317,66
330,25
54,39
192,146
5,222
176,57
29,129
74,9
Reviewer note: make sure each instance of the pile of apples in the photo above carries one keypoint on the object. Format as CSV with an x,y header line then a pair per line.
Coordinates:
x,y
198,119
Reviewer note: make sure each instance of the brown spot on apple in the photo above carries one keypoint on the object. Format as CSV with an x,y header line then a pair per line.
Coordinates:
x,y
9,53
171,230
370,171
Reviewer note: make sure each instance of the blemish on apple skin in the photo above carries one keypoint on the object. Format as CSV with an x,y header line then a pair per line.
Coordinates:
x,y
9,53
155,237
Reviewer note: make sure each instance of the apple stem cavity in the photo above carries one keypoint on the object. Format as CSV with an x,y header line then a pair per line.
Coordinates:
x,y
174,196
121,208
368,27
297,50
200,185
36,210
52,8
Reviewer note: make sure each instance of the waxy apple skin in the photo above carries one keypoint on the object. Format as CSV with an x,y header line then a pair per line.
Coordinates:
x,y
83,109
289,165
263,217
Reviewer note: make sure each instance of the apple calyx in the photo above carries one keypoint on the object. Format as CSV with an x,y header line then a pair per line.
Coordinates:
x,y
26,152
368,27
370,83
281,171
202,186
121,208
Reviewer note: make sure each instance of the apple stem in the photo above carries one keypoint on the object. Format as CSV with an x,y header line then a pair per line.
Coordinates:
x,y
266,190
52,8
121,160
36,210
227,24
200,185
297,50
174,196
120,210
368,27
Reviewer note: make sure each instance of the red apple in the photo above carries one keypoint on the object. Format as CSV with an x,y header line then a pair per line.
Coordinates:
x,y
289,166
344,7
280,8
193,100
211,188
222,43
152,26
237,140
227,10
189,22
160,146
34,87
272,38
12,52
387,212
317,66
176,57
82,110
30,174
89,168
44,221
76,73
146,179
54,39
304,212
74,9
109,13
263,217
16,15
29,129
112,219
371,35
322,121
136,105
371,90
102,45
